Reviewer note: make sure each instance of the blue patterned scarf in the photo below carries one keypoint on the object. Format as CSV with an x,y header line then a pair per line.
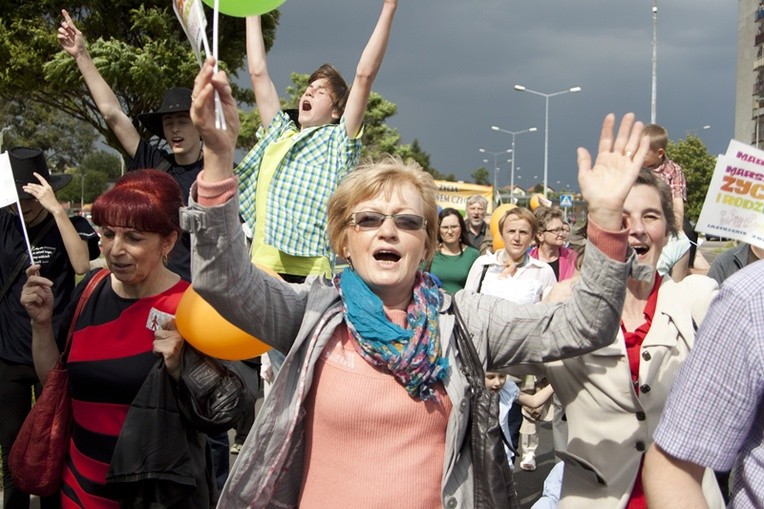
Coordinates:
x,y
412,355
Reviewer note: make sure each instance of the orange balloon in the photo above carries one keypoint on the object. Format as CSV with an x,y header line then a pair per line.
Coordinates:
x,y
538,200
203,327
498,213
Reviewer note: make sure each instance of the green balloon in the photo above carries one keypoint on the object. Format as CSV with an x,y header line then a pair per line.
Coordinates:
x,y
244,8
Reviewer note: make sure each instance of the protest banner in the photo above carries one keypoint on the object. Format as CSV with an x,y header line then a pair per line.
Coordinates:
x,y
455,194
734,204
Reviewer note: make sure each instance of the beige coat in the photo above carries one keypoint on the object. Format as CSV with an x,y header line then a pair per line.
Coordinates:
x,y
609,427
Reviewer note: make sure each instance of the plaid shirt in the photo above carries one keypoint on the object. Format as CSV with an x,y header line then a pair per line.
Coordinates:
x,y
672,174
296,214
714,413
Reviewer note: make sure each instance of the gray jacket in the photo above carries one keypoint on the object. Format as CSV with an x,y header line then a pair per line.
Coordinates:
x,y
299,320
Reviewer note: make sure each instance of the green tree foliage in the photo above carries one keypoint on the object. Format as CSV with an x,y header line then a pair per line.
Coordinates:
x,y
104,162
138,46
85,186
481,176
65,140
698,166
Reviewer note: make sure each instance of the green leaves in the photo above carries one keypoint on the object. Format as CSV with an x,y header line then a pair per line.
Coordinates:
x,y
698,166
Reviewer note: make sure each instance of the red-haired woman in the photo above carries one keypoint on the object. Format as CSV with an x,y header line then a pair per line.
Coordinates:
x,y
124,324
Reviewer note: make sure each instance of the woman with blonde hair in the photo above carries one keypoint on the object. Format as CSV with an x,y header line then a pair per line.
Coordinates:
x,y
371,369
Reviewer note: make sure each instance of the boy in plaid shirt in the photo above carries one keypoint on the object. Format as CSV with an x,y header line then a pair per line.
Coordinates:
x,y
286,179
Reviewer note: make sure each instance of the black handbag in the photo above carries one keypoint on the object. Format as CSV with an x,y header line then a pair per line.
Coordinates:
x,y
211,396
493,484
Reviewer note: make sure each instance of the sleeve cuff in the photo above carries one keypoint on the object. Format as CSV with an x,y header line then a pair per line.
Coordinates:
x,y
209,194
613,244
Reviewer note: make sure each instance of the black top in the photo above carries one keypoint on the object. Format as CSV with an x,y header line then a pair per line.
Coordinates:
x,y
50,253
149,157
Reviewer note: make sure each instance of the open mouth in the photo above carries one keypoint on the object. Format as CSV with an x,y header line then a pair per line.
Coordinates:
x,y
306,106
177,140
387,256
640,250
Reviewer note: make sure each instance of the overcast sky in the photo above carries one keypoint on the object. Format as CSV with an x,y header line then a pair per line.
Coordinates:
x,y
451,67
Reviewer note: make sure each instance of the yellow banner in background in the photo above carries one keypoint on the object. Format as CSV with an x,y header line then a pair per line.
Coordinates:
x,y
455,194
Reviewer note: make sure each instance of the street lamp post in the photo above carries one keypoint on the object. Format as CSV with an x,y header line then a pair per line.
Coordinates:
x,y
514,154
495,168
653,97
82,190
697,130
521,88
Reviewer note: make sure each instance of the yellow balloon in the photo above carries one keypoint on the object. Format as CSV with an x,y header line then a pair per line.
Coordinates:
x,y
202,326
498,213
538,200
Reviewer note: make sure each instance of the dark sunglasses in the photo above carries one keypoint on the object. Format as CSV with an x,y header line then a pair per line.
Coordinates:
x,y
368,220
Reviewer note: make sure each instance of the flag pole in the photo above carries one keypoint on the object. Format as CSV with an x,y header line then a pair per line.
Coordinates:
x,y
24,229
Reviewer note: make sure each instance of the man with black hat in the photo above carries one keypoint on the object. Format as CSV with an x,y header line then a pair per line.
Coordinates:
x,y
62,246
171,122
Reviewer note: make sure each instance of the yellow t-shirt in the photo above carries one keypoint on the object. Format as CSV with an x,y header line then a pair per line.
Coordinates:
x,y
268,256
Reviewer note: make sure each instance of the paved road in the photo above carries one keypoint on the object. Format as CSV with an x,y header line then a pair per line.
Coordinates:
x,y
530,484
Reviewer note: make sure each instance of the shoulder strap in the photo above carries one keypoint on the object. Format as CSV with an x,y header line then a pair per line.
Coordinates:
x,y
23,259
482,277
86,293
164,165
470,360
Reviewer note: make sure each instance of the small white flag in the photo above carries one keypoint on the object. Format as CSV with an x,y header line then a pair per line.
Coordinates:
x,y
8,194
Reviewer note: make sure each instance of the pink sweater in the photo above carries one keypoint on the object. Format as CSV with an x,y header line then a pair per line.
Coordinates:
x,y
367,443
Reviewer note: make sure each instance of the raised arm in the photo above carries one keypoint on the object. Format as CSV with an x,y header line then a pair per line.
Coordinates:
x,y
37,299
76,248
619,158
73,42
266,96
368,66
219,145
513,334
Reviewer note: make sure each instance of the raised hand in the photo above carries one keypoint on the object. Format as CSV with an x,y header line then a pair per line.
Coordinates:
x,y
606,184
43,193
70,38
219,145
37,296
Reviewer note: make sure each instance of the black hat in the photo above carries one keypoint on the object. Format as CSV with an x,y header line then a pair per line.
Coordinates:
x,y
25,162
176,100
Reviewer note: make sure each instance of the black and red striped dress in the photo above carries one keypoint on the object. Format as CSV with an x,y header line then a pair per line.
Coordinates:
x,y
110,357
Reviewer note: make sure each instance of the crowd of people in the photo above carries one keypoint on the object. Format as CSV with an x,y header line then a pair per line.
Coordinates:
x,y
367,404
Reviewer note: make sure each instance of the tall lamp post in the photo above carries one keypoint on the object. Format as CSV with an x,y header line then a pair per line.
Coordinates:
x,y
514,154
653,99
82,191
521,88
495,169
697,130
